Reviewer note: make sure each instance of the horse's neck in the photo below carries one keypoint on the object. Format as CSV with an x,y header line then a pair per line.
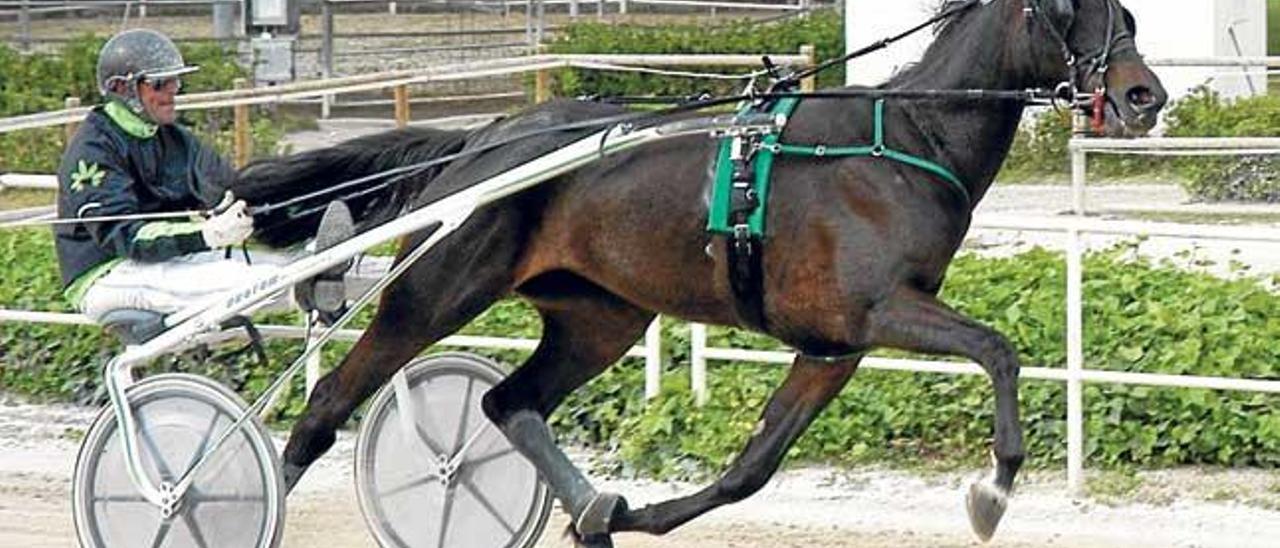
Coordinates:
x,y
972,138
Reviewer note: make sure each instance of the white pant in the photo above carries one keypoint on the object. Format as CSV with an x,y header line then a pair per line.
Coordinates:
x,y
175,284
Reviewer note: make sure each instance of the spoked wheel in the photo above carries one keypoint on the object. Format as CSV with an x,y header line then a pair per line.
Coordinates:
x,y
237,498
441,474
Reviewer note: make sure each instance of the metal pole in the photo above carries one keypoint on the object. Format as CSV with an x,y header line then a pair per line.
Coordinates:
x,y
142,9
542,22
622,7
1075,363
24,25
1079,164
224,20
698,360
1075,324
573,9
326,53
653,359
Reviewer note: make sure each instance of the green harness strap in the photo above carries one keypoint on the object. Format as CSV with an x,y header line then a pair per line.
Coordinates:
x,y
718,220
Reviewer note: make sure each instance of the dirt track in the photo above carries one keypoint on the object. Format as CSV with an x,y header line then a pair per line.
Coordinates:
x,y
808,507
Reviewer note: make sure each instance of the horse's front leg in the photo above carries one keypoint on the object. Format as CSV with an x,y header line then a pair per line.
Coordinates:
x,y
915,321
808,388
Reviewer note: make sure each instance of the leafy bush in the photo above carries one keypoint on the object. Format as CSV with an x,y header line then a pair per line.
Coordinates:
x,y
1205,114
822,29
1040,149
31,83
1139,316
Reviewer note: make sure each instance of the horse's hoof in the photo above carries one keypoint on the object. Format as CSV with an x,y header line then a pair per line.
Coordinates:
x,y
986,504
595,517
588,541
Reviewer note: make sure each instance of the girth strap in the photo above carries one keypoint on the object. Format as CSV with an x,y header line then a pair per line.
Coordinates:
x,y
740,191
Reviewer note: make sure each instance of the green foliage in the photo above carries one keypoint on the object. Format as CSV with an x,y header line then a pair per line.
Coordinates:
x,y
1139,316
1205,114
822,29
1040,149
31,83
1153,318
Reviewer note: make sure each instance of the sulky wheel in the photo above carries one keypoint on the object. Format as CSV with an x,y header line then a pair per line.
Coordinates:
x,y
237,499
441,474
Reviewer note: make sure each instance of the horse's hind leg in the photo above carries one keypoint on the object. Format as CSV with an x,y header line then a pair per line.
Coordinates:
x,y
585,329
809,387
435,297
914,321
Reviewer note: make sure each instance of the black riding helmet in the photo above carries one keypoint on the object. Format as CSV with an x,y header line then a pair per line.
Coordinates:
x,y
134,55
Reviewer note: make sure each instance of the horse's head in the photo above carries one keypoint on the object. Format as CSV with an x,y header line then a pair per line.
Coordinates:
x,y
1096,39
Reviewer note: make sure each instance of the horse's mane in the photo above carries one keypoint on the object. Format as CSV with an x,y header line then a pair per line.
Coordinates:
x,y
946,33
277,179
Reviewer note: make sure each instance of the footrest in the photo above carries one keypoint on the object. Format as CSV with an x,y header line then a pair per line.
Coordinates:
x,y
327,292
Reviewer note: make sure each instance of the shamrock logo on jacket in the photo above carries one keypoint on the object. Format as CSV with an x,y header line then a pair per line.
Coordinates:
x,y
86,174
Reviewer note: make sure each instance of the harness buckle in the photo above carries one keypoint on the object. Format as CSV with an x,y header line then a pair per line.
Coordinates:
x,y
820,150
877,151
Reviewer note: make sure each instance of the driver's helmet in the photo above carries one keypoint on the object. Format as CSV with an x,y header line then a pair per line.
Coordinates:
x,y
134,55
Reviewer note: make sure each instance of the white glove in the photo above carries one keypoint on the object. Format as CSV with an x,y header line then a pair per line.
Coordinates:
x,y
228,228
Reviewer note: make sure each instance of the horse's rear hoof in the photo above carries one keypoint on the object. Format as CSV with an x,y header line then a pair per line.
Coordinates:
x,y
986,504
594,519
588,541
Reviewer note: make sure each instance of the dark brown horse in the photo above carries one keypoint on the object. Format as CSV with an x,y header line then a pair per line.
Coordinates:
x,y
855,254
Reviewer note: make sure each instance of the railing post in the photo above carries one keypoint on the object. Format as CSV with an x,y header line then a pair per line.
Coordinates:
x,y
69,130
809,83
1079,163
653,359
1075,363
326,53
243,144
622,7
698,362
402,105
542,85
24,26
1075,329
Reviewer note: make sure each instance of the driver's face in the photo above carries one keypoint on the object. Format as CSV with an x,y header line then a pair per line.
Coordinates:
x,y
157,98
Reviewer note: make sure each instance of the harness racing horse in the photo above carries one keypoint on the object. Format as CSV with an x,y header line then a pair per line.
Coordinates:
x,y
856,250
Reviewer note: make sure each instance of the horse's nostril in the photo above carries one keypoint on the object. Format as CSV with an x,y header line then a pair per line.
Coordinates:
x,y
1141,98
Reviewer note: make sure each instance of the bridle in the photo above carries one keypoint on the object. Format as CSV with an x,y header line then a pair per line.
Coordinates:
x,y
1086,70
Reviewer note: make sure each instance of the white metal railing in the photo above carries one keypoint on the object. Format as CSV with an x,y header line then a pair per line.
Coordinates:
x,y
382,80
1073,227
651,350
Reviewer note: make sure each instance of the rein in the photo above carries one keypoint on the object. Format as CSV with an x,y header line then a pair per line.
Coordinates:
x,y
781,88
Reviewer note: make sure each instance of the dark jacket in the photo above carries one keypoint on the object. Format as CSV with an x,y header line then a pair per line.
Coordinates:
x,y
118,164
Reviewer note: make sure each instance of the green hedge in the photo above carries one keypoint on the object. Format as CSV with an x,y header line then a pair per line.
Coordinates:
x,y
1139,317
31,83
822,29
1040,149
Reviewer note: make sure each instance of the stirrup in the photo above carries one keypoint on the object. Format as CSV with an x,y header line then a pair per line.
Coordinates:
x,y
327,292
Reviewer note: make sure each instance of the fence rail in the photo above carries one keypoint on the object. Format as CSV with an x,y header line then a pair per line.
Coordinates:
x,y
389,79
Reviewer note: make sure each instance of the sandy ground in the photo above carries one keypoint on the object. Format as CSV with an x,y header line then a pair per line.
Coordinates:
x,y
804,507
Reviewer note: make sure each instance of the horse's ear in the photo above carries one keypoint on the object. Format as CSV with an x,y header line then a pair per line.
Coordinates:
x,y
1062,13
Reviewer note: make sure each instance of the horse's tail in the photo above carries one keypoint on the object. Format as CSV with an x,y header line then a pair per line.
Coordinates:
x,y
275,180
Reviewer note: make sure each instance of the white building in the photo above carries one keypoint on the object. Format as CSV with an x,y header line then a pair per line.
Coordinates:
x,y
1166,29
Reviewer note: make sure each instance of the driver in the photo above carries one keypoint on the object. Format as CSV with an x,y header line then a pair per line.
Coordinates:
x,y
130,158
